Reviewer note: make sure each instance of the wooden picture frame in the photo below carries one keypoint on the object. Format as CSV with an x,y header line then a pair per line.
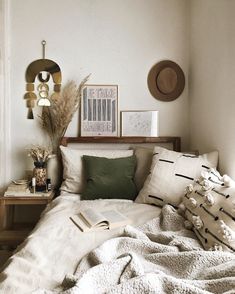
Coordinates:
x,y
139,123
99,111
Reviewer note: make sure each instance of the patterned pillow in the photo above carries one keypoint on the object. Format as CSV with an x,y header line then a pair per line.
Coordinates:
x,y
170,173
209,206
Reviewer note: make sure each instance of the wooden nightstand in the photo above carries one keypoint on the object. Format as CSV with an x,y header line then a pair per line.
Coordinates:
x,y
10,233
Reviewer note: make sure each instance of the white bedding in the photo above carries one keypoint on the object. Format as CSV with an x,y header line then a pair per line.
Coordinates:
x,y
48,254
160,257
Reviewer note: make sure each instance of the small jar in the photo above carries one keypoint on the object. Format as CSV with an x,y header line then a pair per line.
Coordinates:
x,y
40,174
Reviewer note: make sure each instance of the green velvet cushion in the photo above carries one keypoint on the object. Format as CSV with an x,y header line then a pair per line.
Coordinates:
x,y
109,178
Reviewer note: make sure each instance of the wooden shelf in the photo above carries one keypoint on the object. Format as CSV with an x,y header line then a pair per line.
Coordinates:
x,y
13,237
11,233
6,200
126,140
23,226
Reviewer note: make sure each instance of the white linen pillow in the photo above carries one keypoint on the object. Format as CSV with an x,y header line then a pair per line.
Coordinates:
x,y
73,171
170,173
209,206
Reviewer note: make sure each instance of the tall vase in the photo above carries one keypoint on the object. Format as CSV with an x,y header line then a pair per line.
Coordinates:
x,y
40,174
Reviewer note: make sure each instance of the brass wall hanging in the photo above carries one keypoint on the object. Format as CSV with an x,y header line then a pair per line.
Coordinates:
x,y
43,69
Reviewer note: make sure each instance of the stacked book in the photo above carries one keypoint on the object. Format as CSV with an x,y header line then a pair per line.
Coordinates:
x,y
17,189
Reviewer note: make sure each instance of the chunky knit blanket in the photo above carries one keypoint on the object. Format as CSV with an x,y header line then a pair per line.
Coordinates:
x,y
158,257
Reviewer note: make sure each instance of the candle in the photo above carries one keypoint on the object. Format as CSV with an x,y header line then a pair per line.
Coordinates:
x,y
33,182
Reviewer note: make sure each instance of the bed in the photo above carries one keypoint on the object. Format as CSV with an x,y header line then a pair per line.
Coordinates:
x,y
154,254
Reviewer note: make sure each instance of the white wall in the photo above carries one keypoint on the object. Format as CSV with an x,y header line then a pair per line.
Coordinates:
x,y
5,109
117,41
212,79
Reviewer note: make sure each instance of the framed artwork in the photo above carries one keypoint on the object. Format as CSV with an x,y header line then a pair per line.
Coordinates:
x,y
99,108
139,123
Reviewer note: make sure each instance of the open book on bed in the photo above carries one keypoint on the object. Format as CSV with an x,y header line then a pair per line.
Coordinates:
x,y
91,220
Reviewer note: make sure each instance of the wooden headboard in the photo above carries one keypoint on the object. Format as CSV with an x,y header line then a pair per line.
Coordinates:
x,y
175,141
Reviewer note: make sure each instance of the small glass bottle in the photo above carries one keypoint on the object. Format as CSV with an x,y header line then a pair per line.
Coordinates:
x,y
48,185
33,182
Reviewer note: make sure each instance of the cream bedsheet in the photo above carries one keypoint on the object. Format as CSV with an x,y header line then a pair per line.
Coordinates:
x,y
55,246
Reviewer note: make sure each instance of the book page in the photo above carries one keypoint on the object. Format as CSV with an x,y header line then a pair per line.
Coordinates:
x,y
90,220
80,223
78,220
115,218
92,217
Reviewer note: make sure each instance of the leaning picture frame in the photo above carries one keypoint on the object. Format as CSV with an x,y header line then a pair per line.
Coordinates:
x,y
140,123
99,111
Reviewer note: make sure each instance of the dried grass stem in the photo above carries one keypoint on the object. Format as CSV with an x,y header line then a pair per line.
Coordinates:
x,y
56,118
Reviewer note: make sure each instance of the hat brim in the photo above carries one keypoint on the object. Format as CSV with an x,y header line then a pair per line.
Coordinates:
x,y
166,80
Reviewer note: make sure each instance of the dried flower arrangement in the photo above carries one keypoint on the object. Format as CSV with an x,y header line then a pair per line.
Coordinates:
x,y
56,118
40,153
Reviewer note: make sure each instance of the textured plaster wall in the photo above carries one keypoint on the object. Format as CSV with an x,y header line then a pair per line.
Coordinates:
x,y
117,41
212,79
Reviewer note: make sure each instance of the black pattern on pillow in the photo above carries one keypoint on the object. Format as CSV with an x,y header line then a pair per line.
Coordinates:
x,y
209,207
170,172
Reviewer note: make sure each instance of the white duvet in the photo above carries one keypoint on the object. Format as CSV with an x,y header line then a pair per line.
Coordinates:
x,y
54,247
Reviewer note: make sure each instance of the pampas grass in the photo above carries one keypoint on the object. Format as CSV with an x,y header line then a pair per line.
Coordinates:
x,y
40,153
56,118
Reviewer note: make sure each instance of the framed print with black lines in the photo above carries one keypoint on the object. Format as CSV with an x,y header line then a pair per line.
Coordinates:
x,y
99,110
